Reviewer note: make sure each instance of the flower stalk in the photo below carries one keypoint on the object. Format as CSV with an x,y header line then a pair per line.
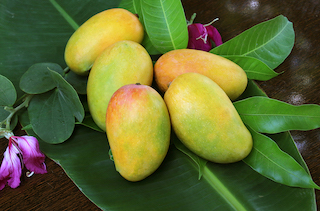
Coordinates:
x,y
5,124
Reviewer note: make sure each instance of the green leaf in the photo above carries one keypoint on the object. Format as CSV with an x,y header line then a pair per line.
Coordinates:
x,y
37,79
270,41
254,68
8,95
78,82
69,96
65,14
134,6
3,113
50,117
52,113
165,24
252,89
88,122
200,162
268,115
174,185
270,161
40,78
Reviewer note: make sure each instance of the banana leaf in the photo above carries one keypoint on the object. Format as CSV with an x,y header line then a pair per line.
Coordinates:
x,y
37,31
176,184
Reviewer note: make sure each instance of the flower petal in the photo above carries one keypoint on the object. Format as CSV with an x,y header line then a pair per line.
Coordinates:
x,y
33,158
10,170
214,35
198,37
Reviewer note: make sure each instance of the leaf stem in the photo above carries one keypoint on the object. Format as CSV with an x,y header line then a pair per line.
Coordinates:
x,y
13,111
66,70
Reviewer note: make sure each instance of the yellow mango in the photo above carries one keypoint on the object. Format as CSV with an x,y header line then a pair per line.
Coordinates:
x,y
125,62
97,33
138,130
227,74
205,120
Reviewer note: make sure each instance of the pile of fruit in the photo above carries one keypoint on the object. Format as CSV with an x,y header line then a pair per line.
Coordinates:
x,y
193,95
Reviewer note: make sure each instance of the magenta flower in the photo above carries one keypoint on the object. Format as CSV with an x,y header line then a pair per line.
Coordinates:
x,y
200,36
21,150
10,170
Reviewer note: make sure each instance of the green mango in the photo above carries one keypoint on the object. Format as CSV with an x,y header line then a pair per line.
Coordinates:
x,y
227,74
124,62
138,130
99,32
205,120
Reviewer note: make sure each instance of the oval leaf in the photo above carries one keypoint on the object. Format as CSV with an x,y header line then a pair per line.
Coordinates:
x,y
270,41
270,161
69,96
37,79
254,68
165,24
8,94
50,117
268,115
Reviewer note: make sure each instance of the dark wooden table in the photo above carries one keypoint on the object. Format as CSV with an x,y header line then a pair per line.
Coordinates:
x,y
299,84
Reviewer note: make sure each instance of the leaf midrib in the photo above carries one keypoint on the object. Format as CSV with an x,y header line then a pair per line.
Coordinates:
x,y
273,38
280,115
259,47
167,24
65,15
275,163
222,189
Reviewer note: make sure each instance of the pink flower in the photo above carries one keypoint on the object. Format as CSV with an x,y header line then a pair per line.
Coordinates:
x,y
10,170
21,149
33,158
200,36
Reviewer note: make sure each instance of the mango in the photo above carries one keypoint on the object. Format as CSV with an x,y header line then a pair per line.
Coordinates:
x,y
99,32
227,74
205,120
138,130
124,62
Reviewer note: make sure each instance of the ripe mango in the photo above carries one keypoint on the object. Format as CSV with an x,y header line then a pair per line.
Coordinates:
x,y
205,120
125,62
227,74
97,33
138,130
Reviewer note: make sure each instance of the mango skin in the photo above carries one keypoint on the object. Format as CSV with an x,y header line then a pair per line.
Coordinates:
x,y
125,62
97,33
227,74
205,120
138,129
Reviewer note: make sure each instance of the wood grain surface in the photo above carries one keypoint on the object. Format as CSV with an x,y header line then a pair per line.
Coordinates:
x,y
298,84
